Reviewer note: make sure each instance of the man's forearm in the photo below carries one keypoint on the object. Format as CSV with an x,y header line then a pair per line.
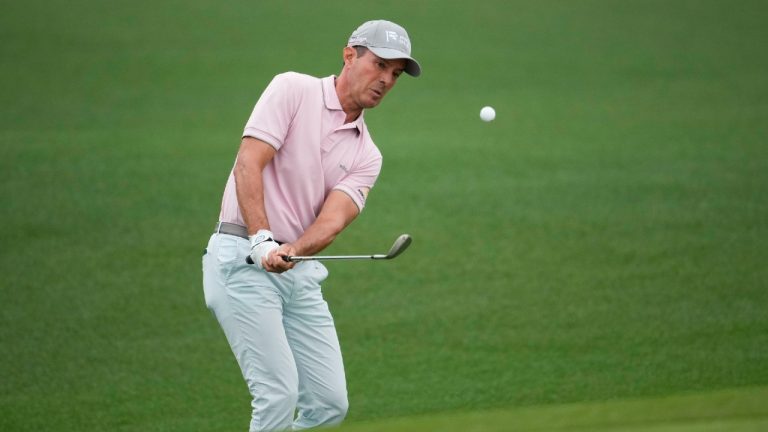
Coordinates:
x,y
251,160
338,212
250,197
316,238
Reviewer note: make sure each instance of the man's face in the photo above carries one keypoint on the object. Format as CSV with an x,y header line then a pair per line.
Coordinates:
x,y
371,77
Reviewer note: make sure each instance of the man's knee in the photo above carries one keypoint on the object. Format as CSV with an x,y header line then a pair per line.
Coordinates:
x,y
282,400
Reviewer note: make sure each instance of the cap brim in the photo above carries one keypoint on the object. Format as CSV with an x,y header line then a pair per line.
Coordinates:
x,y
412,67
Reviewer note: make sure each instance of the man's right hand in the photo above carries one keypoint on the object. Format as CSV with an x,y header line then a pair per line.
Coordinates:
x,y
276,262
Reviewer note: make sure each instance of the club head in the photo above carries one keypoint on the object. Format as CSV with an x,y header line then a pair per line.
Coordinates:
x,y
399,246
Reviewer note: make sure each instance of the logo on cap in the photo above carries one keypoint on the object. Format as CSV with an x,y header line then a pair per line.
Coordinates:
x,y
401,39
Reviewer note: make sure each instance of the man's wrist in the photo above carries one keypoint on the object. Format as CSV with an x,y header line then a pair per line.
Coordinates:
x,y
261,236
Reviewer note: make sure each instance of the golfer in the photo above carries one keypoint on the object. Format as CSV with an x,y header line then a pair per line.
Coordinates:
x,y
303,172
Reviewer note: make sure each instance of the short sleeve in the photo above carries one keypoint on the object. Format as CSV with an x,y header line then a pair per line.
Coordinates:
x,y
361,179
271,118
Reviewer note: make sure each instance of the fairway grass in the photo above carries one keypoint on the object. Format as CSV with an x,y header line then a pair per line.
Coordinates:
x,y
737,410
603,239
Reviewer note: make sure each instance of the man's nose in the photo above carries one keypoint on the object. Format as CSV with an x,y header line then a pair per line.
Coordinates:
x,y
386,79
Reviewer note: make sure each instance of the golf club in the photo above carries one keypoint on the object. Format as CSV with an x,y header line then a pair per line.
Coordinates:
x,y
397,248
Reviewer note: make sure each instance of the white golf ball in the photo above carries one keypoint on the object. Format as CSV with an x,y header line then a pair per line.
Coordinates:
x,y
487,113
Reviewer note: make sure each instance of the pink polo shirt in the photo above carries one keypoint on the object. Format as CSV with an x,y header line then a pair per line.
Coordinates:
x,y
301,117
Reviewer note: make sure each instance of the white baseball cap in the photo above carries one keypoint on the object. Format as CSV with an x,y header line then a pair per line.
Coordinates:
x,y
388,41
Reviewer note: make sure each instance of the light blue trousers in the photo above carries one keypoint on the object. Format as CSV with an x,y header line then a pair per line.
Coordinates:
x,y
282,334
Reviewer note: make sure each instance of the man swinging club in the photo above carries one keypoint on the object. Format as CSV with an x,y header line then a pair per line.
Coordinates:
x,y
302,174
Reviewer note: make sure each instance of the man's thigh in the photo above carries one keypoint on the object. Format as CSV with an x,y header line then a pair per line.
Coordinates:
x,y
311,333
249,308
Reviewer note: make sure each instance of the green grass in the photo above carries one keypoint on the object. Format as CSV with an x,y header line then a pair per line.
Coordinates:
x,y
731,410
603,239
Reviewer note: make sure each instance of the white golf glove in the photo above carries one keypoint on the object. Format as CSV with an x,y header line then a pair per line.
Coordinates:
x,y
262,244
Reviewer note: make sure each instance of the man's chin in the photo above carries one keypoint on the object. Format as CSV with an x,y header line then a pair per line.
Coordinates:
x,y
372,103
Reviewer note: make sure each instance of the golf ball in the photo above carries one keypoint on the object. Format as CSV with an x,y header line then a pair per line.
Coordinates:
x,y
487,113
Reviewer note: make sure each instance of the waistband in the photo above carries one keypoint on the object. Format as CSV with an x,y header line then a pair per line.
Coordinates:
x,y
231,229
235,230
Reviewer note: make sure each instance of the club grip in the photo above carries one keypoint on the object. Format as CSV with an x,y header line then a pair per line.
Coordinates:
x,y
248,259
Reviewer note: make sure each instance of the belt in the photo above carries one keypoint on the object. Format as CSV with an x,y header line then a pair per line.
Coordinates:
x,y
231,229
235,230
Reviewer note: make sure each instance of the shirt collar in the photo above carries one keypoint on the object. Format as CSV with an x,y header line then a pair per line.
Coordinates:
x,y
332,102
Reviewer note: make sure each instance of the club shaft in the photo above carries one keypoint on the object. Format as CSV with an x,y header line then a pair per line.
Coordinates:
x,y
333,257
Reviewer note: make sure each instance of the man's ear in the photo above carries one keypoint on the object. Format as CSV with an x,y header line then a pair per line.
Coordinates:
x,y
349,55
